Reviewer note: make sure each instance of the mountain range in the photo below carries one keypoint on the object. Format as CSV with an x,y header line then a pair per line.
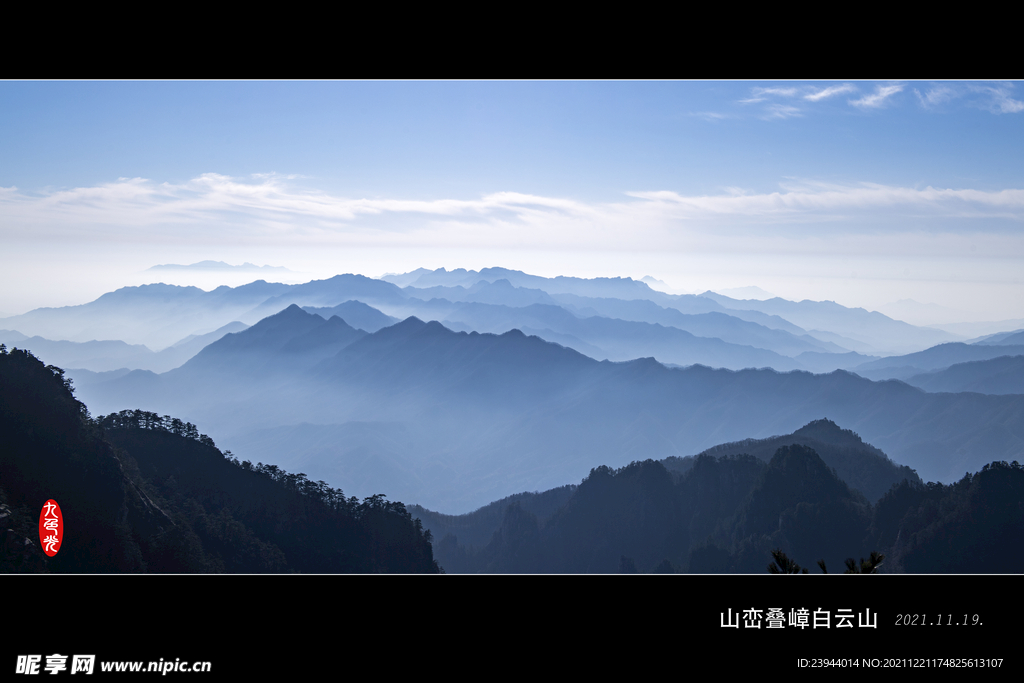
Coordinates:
x,y
454,388
454,419
466,391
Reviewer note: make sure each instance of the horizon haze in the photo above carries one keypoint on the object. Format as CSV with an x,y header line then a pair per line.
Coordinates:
x,y
863,193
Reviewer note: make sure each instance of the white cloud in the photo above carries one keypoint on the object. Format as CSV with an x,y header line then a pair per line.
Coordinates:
x,y
781,111
807,230
762,94
830,91
878,98
937,95
712,116
999,100
815,202
782,92
995,98
217,209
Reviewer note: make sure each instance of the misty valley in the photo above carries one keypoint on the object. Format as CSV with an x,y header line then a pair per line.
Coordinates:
x,y
495,421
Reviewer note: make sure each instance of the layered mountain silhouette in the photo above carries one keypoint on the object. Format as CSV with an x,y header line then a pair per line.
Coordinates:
x,y
355,313
606,318
734,513
106,356
457,409
934,358
862,466
1015,338
1002,375
723,515
481,416
868,327
288,342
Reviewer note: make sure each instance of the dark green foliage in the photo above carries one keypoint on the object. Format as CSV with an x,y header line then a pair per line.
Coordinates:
x,y
893,506
713,492
473,531
804,509
633,511
140,492
862,466
49,448
512,548
973,526
140,419
709,559
665,567
868,566
781,564
260,518
637,512
735,513
19,541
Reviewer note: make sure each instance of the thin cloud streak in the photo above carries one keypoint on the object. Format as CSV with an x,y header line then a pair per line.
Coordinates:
x,y
712,116
214,208
866,196
831,91
878,99
762,94
1000,101
936,96
781,111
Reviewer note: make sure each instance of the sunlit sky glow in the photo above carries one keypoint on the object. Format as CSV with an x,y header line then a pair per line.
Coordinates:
x,y
859,192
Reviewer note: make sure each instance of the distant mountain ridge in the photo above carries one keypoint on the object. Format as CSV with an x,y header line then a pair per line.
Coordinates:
x,y
1015,338
734,513
485,412
869,327
860,465
160,315
1001,375
104,356
934,358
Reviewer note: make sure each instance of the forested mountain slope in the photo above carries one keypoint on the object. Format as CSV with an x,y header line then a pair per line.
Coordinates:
x,y
728,514
477,417
140,492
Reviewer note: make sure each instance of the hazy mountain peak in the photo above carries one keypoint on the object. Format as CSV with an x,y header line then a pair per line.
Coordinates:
x,y
503,283
828,431
346,277
409,325
435,327
293,312
152,290
283,325
797,469
337,321
498,272
357,314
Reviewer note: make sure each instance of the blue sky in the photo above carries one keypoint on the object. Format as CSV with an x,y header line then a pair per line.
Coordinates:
x,y
859,192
